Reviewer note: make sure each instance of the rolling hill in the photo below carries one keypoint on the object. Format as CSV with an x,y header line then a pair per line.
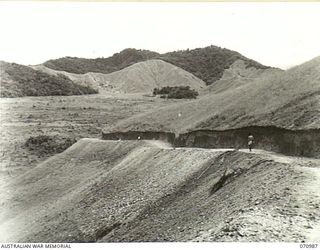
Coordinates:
x,y
207,63
143,77
19,80
140,77
287,99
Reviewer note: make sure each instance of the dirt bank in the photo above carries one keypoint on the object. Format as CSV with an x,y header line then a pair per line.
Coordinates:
x,y
289,142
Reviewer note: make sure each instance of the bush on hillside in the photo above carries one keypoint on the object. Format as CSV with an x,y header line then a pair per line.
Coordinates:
x,y
181,92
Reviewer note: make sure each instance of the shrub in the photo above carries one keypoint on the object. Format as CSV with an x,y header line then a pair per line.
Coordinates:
x,y
181,92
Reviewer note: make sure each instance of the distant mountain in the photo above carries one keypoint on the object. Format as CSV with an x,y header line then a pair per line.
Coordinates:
x,y
207,63
19,80
116,62
287,99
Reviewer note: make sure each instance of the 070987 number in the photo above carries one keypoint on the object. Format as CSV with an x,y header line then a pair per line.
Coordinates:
x,y
308,245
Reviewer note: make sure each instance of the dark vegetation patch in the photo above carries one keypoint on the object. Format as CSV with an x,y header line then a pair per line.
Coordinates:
x,y
180,92
116,62
30,82
44,145
206,63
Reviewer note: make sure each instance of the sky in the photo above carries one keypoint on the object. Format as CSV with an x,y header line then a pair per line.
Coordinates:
x,y
275,34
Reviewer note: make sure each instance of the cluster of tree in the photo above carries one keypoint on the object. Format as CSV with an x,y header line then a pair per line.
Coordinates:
x,y
26,81
180,92
206,63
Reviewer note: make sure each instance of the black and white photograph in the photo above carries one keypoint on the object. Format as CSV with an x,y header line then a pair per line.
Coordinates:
x,y
159,122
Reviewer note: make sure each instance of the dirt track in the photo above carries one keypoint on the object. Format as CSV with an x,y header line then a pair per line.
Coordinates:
x,y
147,191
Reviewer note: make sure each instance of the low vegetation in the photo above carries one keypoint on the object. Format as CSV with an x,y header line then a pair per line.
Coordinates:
x,y
25,81
181,92
48,145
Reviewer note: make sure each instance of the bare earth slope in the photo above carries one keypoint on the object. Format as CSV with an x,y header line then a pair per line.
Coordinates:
x,y
141,77
147,191
288,99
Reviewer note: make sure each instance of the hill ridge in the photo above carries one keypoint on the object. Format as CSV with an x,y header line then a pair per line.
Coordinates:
x,y
206,63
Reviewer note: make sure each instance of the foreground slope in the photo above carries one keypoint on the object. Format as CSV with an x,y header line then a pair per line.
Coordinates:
x,y
140,77
147,191
19,80
288,99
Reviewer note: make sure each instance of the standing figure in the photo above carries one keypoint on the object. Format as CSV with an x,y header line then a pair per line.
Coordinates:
x,y
250,141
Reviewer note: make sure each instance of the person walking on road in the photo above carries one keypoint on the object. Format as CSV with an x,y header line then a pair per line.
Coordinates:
x,y
250,141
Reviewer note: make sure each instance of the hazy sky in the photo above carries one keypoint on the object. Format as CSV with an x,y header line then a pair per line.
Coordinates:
x,y
275,34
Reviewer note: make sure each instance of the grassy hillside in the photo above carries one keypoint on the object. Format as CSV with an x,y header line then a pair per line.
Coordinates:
x,y
206,63
287,99
19,80
116,62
